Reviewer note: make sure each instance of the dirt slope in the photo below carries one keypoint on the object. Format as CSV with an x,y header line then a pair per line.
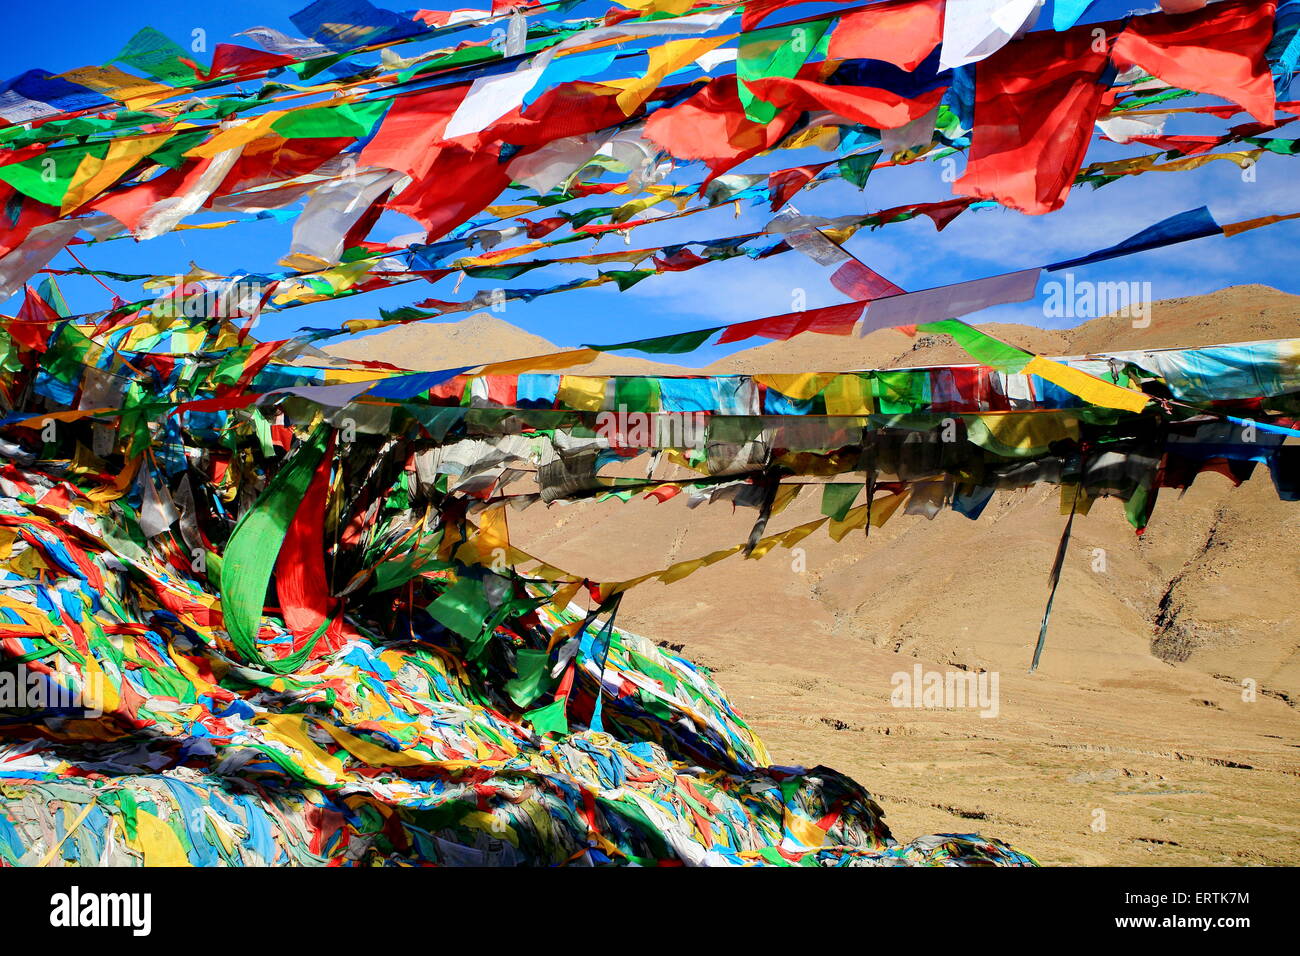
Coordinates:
x,y
478,339
1137,710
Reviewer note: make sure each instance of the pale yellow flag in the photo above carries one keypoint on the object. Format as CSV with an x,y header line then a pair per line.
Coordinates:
x,y
664,59
94,175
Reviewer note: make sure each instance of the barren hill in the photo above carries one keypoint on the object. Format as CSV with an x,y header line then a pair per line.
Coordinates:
x,y
480,338
1235,314
1137,710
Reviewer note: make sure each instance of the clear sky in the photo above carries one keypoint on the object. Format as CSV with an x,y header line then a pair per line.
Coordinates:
x,y
76,33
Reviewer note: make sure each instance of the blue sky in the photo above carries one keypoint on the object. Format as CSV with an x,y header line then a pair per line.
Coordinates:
x,y
981,242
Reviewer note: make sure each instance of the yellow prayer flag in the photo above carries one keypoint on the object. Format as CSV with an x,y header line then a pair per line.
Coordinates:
x,y
784,495
131,91
547,363
493,536
675,572
1068,503
848,395
158,842
94,175
675,7
801,386
1088,387
1243,158
856,518
498,256
239,135
664,59
510,211
565,594
717,556
581,392
799,532
883,510
824,137
1017,435
1234,228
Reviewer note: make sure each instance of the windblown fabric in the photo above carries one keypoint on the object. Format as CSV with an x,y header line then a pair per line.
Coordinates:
x,y
1035,104
264,603
180,752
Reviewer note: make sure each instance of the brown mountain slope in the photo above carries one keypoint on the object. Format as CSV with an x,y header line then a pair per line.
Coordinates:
x,y
478,339
885,348
1241,313
1236,314
1184,769
1137,712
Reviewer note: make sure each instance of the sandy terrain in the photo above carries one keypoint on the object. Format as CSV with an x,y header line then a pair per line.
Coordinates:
x,y
1132,744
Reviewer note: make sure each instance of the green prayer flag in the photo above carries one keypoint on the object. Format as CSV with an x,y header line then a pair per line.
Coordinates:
x,y
772,856
350,119
262,429
626,278
636,393
532,667
1283,147
590,214
309,68
902,391
255,545
46,177
134,420
837,498
394,572
212,561
984,348
172,153
776,51
462,608
151,52
49,291
663,344
232,364
65,356
507,270
856,169
1140,504
550,718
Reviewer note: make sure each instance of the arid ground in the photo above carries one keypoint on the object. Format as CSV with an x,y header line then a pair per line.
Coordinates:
x,y
1132,744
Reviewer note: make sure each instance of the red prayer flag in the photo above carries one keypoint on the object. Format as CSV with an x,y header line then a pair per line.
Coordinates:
x,y
34,323
903,34
1035,103
858,281
832,320
242,61
411,131
756,11
542,227
456,184
301,581
870,105
711,126
1186,145
679,262
784,183
1218,51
